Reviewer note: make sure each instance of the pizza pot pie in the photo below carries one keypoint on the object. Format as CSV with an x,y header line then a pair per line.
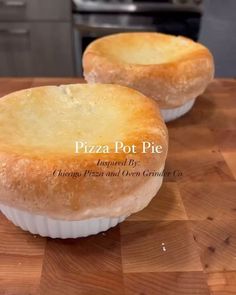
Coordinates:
x,y
55,143
171,70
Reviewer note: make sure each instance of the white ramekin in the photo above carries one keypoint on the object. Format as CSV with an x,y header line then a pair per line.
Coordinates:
x,y
54,228
172,114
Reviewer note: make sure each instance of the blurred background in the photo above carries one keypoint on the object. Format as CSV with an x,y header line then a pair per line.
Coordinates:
x,y
47,37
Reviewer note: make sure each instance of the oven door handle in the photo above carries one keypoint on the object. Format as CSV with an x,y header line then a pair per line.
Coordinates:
x,y
89,6
108,28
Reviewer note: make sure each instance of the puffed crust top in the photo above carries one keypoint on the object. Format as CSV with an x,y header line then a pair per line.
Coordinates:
x,y
172,70
38,131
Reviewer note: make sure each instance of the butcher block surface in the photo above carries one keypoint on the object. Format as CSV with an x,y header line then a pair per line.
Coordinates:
x,y
183,243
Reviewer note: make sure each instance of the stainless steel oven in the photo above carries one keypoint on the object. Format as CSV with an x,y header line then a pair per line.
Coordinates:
x,y
93,19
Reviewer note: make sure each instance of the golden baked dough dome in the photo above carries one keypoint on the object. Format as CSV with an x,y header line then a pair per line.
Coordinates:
x,y
38,131
172,70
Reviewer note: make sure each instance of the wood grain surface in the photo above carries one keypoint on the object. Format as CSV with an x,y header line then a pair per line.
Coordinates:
x,y
183,243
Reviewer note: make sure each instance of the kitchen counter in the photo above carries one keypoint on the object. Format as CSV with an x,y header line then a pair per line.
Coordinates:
x,y
183,243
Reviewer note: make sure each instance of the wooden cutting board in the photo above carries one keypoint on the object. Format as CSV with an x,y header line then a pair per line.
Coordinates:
x,y
183,243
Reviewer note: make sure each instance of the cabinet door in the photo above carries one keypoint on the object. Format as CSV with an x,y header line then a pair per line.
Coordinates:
x,y
13,10
15,49
51,50
36,49
49,10
23,10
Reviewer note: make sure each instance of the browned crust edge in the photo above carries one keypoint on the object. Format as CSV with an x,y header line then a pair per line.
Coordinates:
x,y
170,84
